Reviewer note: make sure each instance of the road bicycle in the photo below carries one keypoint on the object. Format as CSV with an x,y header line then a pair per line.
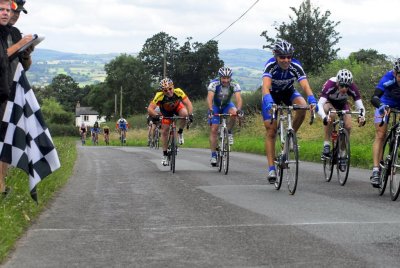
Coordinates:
x,y
155,141
172,148
95,137
106,137
83,137
286,147
122,136
340,148
390,160
223,147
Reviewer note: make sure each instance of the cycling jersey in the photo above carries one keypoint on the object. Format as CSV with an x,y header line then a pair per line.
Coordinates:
x,y
330,91
170,105
106,130
223,95
122,124
283,79
391,90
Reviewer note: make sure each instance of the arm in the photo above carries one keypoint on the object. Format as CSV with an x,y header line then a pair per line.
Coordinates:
x,y
267,81
376,98
210,98
188,105
321,110
306,87
239,101
14,48
151,109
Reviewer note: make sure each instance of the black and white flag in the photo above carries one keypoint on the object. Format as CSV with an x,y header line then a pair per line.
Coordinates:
x,y
25,140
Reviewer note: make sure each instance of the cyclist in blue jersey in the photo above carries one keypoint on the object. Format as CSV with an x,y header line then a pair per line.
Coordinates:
x,y
280,73
220,92
122,126
386,95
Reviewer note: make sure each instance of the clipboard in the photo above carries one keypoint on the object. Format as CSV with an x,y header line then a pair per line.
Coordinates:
x,y
35,41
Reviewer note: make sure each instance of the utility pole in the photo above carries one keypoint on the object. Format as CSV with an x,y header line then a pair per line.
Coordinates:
x,y
115,106
120,105
165,64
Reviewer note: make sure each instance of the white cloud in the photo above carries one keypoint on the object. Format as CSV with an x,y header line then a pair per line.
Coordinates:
x,y
104,26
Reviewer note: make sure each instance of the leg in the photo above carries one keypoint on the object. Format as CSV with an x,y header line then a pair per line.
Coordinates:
x,y
213,137
270,136
3,173
300,114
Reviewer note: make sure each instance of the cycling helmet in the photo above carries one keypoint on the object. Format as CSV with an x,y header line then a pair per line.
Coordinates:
x,y
344,76
225,72
166,83
283,47
396,66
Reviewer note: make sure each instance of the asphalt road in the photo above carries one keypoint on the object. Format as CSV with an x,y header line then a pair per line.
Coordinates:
x,y
121,208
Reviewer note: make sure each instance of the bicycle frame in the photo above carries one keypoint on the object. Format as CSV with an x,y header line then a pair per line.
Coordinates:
x,y
390,160
286,148
340,149
172,148
223,147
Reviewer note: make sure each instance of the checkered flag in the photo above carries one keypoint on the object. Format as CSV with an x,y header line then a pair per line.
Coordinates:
x,y
25,140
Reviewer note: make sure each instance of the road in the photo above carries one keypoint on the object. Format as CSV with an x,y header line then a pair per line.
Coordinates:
x,y
121,208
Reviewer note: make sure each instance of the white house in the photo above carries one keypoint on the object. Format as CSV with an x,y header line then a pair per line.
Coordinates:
x,y
86,115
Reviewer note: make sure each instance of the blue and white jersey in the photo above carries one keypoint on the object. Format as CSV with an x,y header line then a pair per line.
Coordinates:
x,y
283,79
391,90
222,96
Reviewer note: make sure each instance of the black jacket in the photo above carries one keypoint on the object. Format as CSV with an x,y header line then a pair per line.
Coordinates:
x,y
5,68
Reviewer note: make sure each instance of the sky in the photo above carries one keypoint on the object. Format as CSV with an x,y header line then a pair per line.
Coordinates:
x,y
123,26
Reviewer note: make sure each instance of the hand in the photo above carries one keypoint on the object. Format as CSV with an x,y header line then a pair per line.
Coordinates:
x,y
382,109
191,118
325,121
361,121
268,101
312,101
239,113
210,113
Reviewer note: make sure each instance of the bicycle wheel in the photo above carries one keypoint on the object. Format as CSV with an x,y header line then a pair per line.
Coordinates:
x,y
221,141
291,162
225,152
385,163
173,151
156,138
343,157
279,161
394,179
328,164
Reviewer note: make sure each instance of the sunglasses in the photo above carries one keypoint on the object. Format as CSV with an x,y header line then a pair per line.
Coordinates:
x,y
168,89
289,57
344,85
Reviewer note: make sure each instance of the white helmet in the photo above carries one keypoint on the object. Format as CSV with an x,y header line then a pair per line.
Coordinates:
x,y
396,65
345,77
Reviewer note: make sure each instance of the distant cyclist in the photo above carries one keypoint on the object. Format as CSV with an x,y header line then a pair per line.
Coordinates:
x,y
152,123
95,132
220,92
106,131
386,95
122,126
83,131
280,73
172,101
335,94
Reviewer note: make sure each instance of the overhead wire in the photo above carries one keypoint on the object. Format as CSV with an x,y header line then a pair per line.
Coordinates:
x,y
236,20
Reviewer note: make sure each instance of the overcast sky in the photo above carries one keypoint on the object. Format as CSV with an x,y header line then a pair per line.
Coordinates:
x,y
122,26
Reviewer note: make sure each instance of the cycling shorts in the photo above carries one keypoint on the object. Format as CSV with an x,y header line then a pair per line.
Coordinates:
x,y
286,97
83,130
166,121
217,110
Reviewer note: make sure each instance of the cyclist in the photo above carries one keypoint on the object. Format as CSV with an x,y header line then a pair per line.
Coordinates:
x,y
95,132
122,126
172,101
220,92
106,131
386,95
83,131
152,122
334,95
280,72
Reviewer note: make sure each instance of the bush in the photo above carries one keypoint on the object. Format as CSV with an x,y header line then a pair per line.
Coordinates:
x,y
62,130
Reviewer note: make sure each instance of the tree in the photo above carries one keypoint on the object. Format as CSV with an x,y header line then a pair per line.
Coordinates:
x,y
157,50
129,74
65,90
313,36
369,56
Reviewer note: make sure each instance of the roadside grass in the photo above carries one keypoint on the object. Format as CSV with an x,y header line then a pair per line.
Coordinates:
x,y
18,211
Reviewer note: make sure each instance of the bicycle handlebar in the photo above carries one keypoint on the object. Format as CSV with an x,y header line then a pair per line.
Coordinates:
x,y
276,107
388,111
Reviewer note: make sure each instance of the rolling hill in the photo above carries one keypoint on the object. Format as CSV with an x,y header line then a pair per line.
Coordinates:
x,y
89,68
